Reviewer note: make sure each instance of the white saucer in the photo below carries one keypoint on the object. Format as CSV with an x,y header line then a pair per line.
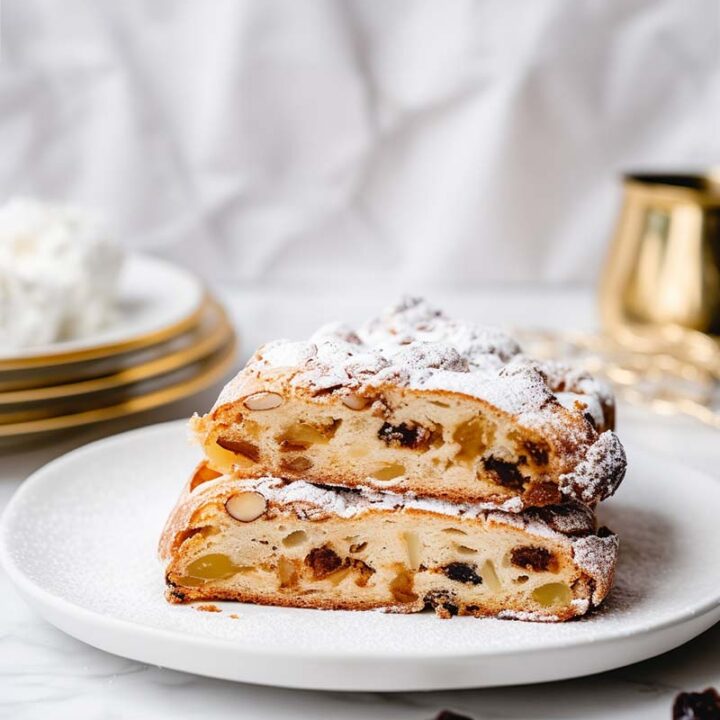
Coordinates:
x,y
153,297
79,541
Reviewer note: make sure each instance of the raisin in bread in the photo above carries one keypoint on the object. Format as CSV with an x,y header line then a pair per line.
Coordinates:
x,y
417,402
269,541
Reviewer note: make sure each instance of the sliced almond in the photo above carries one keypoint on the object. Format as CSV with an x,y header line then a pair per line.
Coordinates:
x,y
263,401
246,506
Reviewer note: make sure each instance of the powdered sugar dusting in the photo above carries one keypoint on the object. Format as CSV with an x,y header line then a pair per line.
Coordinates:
x,y
527,616
320,501
416,346
597,556
600,473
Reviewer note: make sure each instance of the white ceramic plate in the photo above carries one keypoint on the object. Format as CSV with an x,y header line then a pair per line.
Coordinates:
x,y
79,541
154,295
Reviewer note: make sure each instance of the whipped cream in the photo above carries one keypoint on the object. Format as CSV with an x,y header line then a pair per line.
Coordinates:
x,y
59,272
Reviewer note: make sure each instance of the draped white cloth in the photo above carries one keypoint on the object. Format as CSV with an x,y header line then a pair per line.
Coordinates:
x,y
408,143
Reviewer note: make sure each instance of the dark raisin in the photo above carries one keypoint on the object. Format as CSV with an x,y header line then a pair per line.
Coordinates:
x,y
531,557
591,420
323,561
538,451
462,572
507,473
442,602
404,435
450,715
697,706
451,609
240,446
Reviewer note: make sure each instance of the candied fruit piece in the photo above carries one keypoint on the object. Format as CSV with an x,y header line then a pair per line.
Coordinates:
x,y
474,437
224,460
552,595
364,572
401,586
240,447
388,471
287,573
301,435
202,475
215,566
323,561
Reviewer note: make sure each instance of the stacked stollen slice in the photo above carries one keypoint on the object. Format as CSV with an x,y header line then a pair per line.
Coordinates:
x,y
418,461
168,340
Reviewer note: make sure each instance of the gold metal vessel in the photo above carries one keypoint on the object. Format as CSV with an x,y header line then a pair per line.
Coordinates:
x,y
660,290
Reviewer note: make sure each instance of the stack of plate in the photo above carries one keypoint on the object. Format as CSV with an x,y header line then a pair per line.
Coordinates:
x,y
170,340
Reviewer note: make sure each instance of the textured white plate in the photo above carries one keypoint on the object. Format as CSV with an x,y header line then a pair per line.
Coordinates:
x,y
153,295
79,541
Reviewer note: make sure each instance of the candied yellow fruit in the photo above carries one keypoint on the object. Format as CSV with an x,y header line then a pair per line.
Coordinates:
x,y
401,587
473,436
223,460
552,595
287,573
215,566
301,435
388,471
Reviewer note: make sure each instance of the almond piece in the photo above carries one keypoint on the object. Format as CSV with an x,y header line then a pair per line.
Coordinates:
x,y
263,401
354,402
246,506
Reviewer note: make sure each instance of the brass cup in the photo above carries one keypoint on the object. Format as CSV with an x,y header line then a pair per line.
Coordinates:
x,y
660,290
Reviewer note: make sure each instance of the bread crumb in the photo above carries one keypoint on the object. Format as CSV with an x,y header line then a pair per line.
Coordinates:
x,y
208,608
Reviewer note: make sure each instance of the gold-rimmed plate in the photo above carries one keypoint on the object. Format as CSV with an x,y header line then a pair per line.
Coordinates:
x,y
74,372
212,332
156,301
148,395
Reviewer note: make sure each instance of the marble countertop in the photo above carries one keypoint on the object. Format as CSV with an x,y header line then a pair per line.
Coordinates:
x,y
47,674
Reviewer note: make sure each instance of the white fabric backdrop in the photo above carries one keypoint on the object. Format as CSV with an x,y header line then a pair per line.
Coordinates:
x,y
411,143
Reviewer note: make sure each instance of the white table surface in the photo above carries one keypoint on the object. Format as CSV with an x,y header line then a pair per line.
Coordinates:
x,y
46,674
